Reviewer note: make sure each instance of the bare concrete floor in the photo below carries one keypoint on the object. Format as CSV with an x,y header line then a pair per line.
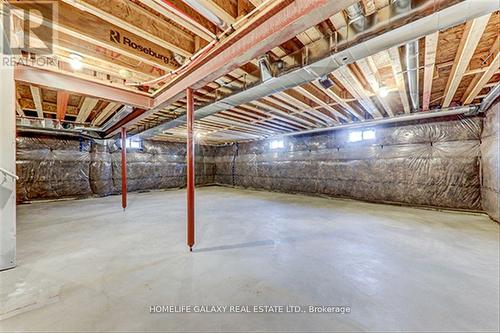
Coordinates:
x,y
87,265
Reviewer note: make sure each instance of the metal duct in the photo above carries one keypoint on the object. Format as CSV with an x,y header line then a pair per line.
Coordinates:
x,y
356,16
490,98
127,109
466,110
350,50
412,72
265,68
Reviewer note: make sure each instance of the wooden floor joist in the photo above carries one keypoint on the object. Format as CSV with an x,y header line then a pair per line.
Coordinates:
x,y
487,75
369,69
350,82
397,69
87,106
473,32
37,98
431,43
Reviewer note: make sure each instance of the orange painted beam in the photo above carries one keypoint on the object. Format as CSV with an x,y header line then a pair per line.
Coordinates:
x,y
124,166
190,169
62,104
60,81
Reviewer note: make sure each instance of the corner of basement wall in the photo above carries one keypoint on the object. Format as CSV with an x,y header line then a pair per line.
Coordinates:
x,y
490,162
55,167
432,163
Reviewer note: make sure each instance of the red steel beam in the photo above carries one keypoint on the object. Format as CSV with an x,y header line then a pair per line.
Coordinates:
x,y
62,104
190,169
59,81
281,21
124,166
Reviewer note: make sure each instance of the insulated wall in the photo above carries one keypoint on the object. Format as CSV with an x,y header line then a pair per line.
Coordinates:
x,y
432,163
490,150
161,165
52,168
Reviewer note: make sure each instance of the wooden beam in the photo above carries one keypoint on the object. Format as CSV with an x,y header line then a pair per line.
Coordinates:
x,y
294,98
87,106
397,70
218,11
240,48
256,2
431,43
320,102
484,79
180,18
58,81
309,36
370,71
281,103
352,84
472,35
19,108
135,19
481,81
62,104
369,7
90,28
105,113
36,93
339,100
291,115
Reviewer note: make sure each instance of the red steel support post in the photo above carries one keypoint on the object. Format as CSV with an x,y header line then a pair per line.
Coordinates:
x,y
190,169
124,167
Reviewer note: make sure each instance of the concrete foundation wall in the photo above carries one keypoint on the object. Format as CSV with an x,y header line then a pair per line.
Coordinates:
x,y
52,168
432,163
490,151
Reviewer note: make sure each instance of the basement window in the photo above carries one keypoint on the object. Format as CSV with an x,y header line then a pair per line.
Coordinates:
x,y
369,135
134,144
276,144
356,136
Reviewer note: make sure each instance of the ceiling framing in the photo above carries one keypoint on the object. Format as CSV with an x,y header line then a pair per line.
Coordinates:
x,y
457,66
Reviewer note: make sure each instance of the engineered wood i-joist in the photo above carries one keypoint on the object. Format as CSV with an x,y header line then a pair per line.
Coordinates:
x,y
135,19
431,43
352,84
85,26
487,75
397,69
473,32
181,19
370,74
37,99
87,106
